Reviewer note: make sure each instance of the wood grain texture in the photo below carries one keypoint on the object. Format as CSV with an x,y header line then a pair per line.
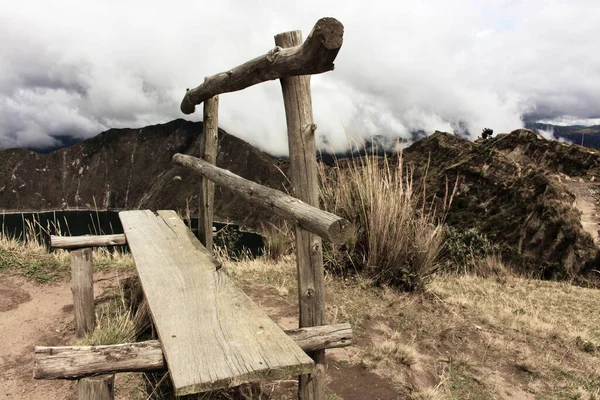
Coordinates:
x,y
213,335
208,152
322,223
82,286
304,178
73,362
314,56
75,242
100,387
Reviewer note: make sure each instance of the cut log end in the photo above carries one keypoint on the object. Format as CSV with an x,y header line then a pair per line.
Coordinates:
x,y
340,231
330,31
187,106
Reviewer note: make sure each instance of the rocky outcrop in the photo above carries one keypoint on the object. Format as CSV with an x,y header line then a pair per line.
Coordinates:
x,y
513,188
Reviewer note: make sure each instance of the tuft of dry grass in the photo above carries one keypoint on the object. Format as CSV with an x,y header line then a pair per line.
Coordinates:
x,y
117,321
279,240
392,350
397,235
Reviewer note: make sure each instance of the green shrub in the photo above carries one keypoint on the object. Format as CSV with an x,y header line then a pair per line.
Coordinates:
x,y
464,250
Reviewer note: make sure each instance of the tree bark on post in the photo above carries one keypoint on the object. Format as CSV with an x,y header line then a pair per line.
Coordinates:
x,y
303,175
208,152
101,387
82,286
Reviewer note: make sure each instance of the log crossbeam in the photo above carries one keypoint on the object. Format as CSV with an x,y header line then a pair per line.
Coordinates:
x,y
77,242
75,362
325,224
314,56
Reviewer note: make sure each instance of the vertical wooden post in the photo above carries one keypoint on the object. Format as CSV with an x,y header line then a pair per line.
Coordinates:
x,y
82,286
101,387
208,151
303,175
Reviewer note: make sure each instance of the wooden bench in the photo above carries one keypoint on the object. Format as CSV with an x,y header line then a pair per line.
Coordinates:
x,y
212,335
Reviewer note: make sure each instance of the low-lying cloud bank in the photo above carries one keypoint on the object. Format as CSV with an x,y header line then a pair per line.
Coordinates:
x,y
72,71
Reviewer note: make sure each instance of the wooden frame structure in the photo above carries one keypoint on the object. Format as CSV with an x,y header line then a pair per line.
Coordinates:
x,y
292,62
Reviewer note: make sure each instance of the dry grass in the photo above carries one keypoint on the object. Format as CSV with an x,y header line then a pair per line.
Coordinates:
x,y
544,308
486,336
466,337
115,323
397,236
279,240
30,258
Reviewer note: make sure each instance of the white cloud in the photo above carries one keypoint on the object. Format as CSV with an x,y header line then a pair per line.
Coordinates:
x,y
78,68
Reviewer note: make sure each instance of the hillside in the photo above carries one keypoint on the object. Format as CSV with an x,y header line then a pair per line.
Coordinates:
x,y
518,190
524,193
129,169
588,136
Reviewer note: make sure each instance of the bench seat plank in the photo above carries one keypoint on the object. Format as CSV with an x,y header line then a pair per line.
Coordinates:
x,y
213,336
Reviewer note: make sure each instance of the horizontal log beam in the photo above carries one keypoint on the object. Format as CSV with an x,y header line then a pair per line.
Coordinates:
x,y
314,56
74,362
76,242
325,224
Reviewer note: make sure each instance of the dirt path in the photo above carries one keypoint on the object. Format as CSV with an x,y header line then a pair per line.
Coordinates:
x,y
587,196
30,315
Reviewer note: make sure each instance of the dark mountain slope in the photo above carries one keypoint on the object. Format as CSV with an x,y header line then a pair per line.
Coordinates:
x,y
130,169
519,189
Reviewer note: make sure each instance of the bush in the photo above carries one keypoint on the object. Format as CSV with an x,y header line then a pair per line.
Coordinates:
x,y
464,249
397,236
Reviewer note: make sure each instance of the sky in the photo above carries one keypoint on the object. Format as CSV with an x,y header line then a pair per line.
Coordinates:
x,y
77,68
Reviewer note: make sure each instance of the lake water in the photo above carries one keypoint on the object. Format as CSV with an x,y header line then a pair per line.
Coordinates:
x,y
82,222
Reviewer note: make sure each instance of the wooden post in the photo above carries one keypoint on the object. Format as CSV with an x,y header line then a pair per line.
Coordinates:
x,y
303,175
101,387
82,286
208,152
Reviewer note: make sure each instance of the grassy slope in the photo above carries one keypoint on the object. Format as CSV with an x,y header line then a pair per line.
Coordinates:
x,y
33,261
466,337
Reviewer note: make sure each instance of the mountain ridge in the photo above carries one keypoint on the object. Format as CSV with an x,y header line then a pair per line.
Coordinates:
x,y
518,189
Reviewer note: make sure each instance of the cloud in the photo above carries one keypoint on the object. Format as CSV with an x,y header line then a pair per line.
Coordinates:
x,y
74,69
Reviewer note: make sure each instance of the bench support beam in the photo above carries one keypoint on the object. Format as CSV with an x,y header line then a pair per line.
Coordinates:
x,y
74,362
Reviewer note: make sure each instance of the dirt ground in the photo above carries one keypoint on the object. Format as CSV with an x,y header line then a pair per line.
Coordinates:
x,y
30,315
33,314
587,194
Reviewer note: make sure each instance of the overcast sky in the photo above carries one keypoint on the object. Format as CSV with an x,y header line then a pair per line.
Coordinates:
x,y
77,68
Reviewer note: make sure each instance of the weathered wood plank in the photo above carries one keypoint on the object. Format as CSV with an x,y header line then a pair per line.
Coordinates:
x,y
73,362
309,247
75,242
314,56
325,224
213,335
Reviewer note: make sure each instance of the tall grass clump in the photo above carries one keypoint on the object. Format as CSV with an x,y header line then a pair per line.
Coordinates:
x,y
398,233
